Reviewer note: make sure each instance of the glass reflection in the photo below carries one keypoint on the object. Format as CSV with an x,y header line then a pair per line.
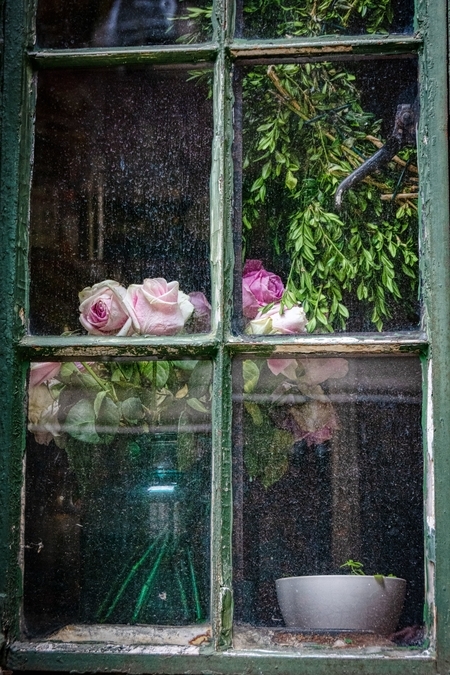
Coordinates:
x,y
327,469
117,494
121,23
275,19
120,215
327,207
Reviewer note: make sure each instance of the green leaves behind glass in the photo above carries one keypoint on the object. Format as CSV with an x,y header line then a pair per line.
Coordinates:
x,y
94,421
266,450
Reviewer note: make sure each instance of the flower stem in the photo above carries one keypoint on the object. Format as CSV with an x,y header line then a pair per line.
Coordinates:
x,y
101,383
198,609
129,577
149,581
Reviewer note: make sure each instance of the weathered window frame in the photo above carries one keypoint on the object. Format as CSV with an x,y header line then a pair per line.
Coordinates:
x,y
21,61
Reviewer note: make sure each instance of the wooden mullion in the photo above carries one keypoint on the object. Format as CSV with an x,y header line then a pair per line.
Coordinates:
x,y
55,348
326,47
123,56
221,274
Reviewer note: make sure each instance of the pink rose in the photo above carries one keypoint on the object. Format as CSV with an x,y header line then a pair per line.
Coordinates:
x,y
202,312
259,288
285,366
290,321
42,372
315,372
159,306
106,310
319,370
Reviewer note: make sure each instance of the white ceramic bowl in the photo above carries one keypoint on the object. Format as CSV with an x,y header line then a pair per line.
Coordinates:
x,y
341,602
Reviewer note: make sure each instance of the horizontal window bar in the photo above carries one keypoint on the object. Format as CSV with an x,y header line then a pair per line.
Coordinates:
x,y
411,341
333,47
143,659
38,348
66,348
118,56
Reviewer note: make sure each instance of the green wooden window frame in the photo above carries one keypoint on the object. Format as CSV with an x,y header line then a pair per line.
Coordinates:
x,y
20,63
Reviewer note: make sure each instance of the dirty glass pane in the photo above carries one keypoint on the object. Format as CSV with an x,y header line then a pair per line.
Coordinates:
x,y
326,234
120,192
121,23
117,498
327,471
280,19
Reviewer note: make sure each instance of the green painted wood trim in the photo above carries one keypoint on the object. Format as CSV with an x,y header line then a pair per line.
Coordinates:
x,y
327,46
221,505
414,341
63,658
435,243
221,273
118,56
54,348
14,174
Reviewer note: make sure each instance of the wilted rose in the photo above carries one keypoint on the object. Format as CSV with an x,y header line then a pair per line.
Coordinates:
x,y
159,306
314,422
272,322
43,415
42,372
201,318
105,310
259,288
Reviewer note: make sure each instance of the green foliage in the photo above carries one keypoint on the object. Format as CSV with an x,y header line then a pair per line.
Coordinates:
x,y
278,18
304,131
266,451
354,567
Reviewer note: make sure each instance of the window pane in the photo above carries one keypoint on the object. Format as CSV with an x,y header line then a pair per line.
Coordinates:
x,y
327,469
117,494
275,19
329,197
121,192
121,23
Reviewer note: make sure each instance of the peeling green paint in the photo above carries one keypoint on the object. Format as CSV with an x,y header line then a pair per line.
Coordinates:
x,y
132,56
289,49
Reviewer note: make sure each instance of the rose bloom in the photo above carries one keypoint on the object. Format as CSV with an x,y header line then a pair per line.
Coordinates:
x,y
319,370
315,370
259,288
42,372
106,310
290,321
286,366
201,318
159,306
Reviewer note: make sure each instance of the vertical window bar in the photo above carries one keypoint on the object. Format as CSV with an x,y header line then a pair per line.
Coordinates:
x,y
221,272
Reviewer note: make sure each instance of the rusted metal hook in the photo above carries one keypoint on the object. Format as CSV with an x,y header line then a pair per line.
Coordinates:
x,y
404,134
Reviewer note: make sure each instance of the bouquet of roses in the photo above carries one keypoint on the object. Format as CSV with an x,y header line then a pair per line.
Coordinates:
x,y
155,307
283,398
92,403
